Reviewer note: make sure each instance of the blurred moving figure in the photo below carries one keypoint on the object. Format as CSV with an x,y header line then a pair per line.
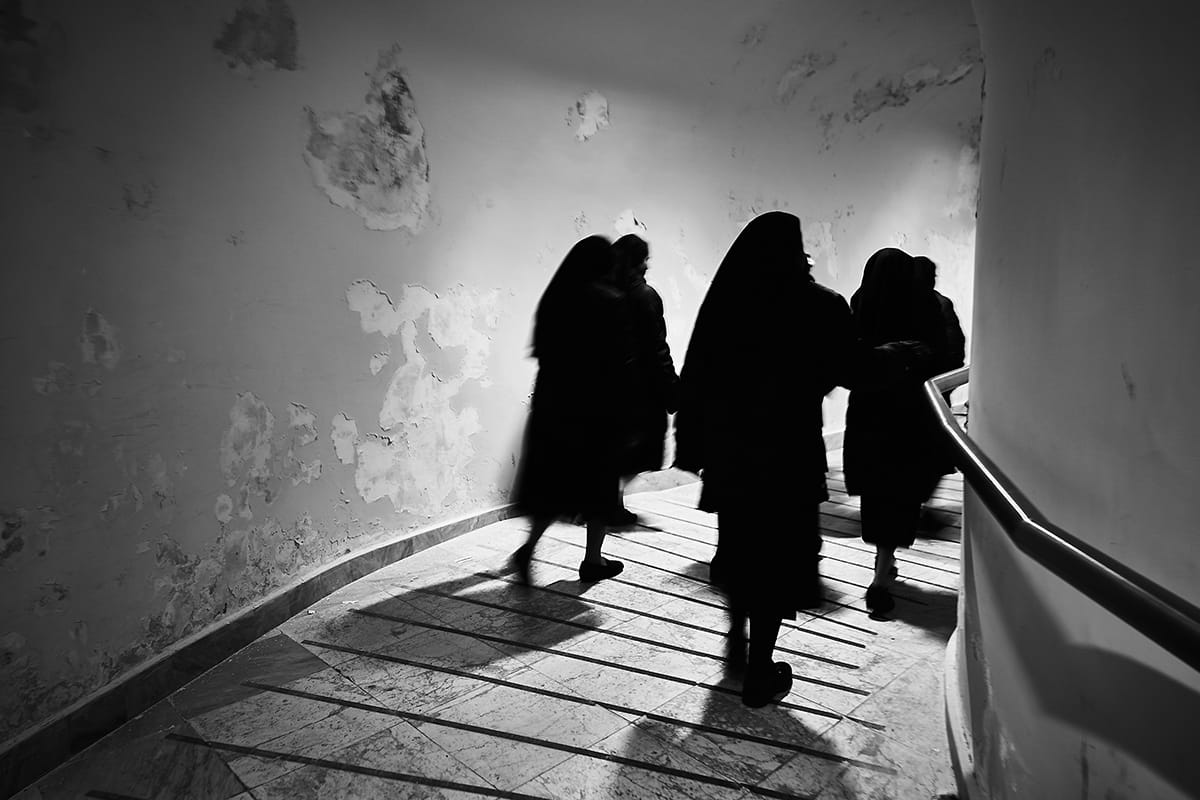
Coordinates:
x,y
656,384
893,456
570,467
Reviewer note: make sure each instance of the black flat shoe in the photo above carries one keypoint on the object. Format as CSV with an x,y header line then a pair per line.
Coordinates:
x,y
623,518
879,600
590,573
761,688
520,562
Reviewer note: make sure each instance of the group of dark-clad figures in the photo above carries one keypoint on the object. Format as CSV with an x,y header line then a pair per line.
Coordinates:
x,y
768,344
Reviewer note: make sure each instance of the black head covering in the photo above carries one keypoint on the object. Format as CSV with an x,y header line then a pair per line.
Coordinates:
x,y
925,271
888,305
588,264
629,251
747,301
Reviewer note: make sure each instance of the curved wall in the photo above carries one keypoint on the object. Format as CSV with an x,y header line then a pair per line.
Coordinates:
x,y
269,265
1084,389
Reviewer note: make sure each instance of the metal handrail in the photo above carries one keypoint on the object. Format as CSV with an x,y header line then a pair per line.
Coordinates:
x,y
1172,622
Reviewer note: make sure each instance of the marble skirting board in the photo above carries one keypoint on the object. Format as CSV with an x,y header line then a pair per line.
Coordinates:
x,y
37,752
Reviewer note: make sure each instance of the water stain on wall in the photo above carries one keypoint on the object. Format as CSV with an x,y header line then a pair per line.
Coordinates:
x,y
800,70
373,163
262,33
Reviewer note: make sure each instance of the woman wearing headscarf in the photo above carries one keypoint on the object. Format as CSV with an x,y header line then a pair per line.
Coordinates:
x,y
654,396
575,434
893,457
768,345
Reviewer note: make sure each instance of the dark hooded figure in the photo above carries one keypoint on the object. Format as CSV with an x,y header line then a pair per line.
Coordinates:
x,y
768,344
956,342
654,395
576,433
893,453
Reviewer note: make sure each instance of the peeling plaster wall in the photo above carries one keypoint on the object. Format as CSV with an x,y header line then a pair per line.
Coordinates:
x,y
270,265
1085,386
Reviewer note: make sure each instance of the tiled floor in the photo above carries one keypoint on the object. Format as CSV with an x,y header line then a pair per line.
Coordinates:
x,y
439,677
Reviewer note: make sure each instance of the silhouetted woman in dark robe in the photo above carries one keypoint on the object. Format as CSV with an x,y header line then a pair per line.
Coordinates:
x,y
657,385
893,453
768,344
575,434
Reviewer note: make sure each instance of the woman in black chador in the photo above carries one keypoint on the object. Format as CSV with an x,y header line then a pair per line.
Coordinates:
x,y
654,396
893,455
576,432
769,343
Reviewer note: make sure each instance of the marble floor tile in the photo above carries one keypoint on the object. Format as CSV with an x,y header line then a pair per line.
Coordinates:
x,y
589,778
377,767
521,712
729,739
612,685
273,659
334,622
269,715
139,760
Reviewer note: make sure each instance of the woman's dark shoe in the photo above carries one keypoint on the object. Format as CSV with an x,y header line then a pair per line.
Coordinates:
x,y
623,518
762,687
520,562
590,573
879,599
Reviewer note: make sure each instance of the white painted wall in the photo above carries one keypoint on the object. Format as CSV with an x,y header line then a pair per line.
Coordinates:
x,y
1085,385
156,191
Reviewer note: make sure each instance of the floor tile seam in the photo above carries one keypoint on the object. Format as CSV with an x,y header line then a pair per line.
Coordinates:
x,y
572,750
486,790
614,631
341,745
788,624
851,563
462,763
902,559
704,585
872,570
819,709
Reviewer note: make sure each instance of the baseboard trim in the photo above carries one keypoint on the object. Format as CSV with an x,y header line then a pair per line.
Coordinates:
x,y
44,747
958,729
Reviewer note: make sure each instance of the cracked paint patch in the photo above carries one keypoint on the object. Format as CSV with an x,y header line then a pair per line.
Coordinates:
x,y
162,488
800,71
245,452
50,599
302,431
223,509
627,222
262,33
421,460
820,244
12,541
343,432
378,362
373,163
98,342
57,378
590,113
130,498
374,307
